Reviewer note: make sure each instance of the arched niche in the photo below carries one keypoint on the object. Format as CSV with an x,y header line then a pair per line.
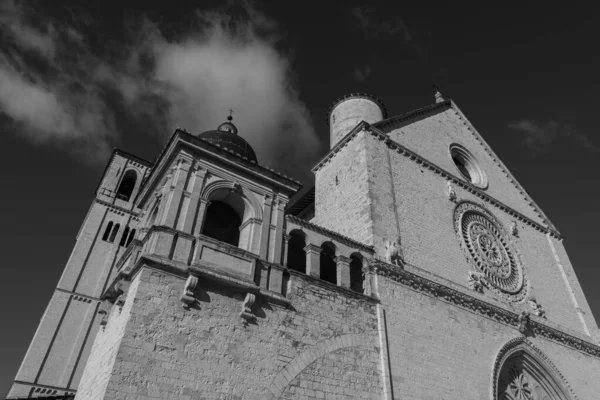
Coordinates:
x,y
523,372
127,185
296,258
228,198
357,261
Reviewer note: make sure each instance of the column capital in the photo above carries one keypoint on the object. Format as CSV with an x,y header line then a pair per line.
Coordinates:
x,y
311,248
343,260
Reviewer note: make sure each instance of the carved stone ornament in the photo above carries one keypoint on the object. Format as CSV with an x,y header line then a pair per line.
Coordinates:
x,y
246,313
451,192
187,298
490,251
536,307
523,322
478,306
514,229
393,252
477,281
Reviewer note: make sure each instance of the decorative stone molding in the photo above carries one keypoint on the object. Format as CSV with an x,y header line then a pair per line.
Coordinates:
x,y
331,234
536,307
393,252
246,313
514,230
478,306
187,298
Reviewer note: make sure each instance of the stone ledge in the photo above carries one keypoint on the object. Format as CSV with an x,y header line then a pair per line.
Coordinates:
x,y
332,287
499,313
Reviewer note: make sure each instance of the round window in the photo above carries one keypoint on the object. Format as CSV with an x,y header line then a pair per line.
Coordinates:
x,y
467,166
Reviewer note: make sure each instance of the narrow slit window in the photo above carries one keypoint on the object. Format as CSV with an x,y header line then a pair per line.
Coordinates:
x,y
131,236
124,236
113,235
107,231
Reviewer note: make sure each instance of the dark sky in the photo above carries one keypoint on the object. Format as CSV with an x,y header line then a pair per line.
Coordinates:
x,y
76,81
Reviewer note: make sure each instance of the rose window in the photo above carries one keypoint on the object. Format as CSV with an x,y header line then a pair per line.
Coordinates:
x,y
489,249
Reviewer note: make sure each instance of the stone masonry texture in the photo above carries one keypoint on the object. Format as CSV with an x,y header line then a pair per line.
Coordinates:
x,y
181,315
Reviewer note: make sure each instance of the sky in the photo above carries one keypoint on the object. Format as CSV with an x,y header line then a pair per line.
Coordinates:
x,y
78,80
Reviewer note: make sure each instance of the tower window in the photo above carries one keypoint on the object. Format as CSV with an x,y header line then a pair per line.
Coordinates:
x,y
107,231
131,236
468,167
124,236
327,263
127,185
222,223
113,235
296,257
356,274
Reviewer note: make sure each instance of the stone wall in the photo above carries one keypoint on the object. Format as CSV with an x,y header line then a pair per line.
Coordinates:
x,y
324,342
442,351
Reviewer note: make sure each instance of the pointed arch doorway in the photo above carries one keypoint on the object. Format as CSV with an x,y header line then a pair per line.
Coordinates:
x,y
523,372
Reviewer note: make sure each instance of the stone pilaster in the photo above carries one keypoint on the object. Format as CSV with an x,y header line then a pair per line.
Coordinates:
x,y
343,271
313,262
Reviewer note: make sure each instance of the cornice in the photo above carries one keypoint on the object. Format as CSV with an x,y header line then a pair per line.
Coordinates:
x,y
118,210
392,144
331,234
478,306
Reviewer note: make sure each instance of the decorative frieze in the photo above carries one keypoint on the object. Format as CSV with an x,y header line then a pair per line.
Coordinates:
x,y
453,296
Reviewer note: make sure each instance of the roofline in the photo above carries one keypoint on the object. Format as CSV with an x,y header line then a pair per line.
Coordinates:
x,y
216,151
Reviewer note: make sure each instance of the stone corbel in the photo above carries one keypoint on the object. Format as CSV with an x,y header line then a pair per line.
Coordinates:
x,y
114,292
246,313
104,319
187,298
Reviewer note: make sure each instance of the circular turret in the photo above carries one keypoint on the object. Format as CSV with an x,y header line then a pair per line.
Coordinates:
x,y
347,111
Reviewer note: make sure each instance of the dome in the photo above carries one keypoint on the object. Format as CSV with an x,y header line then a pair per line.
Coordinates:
x,y
226,137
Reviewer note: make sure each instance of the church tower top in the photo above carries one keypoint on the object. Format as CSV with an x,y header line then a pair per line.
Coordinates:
x,y
347,112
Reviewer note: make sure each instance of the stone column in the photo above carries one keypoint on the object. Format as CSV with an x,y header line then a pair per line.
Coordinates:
x,y
194,187
280,215
177,187
266,227
201,214
343,271
313,263
286,243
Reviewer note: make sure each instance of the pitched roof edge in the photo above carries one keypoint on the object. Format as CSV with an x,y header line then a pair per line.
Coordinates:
x,y
504,169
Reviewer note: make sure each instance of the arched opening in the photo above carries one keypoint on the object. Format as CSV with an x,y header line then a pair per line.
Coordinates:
x,y
107,231
113,235
296,257
124,236
131,236
127,185
356,274
327,263
222,222
521,373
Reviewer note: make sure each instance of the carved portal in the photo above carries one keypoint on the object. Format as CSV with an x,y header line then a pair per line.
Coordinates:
x,y
490,251
523,372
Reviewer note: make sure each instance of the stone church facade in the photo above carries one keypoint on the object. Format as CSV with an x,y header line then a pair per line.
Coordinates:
x,y
416,267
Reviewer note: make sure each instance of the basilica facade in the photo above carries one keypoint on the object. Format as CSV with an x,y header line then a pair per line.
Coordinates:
x,y
416,267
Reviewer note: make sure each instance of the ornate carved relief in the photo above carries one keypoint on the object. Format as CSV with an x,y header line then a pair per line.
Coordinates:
x,y
477,281
489,251
536,307
451,192
523,322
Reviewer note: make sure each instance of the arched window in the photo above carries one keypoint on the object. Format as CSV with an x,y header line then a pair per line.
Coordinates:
x,y
327,263
113,235
222,223
126,186
124,236
296,257
356,274
107,231
131,236
522,372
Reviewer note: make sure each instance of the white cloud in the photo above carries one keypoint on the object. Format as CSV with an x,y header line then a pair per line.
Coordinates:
x,y
189,81
539,136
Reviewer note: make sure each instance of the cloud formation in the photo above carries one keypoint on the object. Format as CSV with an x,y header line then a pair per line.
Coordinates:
x,y
188,80
540,136
374,27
